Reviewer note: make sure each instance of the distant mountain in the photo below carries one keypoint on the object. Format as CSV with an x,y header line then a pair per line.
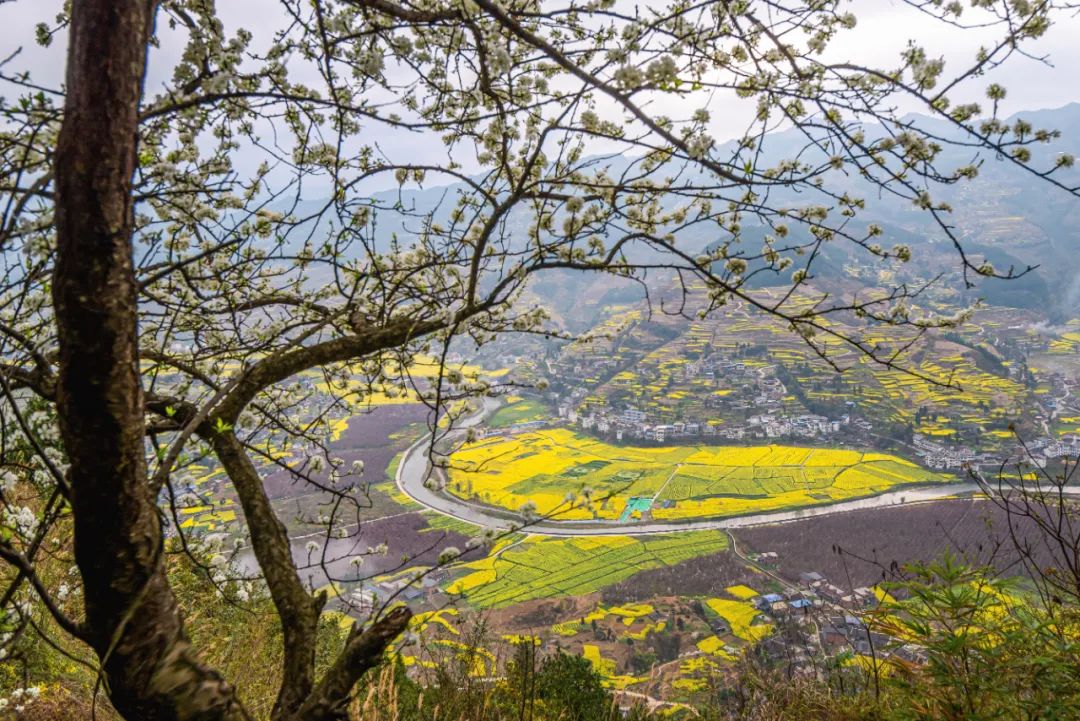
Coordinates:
x,y
1006,215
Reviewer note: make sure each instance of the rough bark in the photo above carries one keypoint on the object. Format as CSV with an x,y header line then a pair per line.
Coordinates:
x,y
286,364
363,651
132,620
298,609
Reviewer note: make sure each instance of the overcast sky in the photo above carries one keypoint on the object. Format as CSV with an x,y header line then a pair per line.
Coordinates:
x,y
884,29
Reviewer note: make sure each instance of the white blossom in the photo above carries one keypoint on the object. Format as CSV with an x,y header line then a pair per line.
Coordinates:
x,y
699,145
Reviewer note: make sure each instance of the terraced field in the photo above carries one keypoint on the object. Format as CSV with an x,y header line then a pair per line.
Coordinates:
x,y
551,468
547,568
966,389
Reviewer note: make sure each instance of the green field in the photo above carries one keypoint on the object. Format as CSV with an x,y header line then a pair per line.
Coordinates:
x,y
534,567
520,411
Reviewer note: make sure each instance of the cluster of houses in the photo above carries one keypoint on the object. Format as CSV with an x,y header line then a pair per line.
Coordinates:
x,y
843,633
1038,451
764,398
761,394
1043,450
941,457
717,365
814,591
769,394
366,598
633,423
818,607
807,425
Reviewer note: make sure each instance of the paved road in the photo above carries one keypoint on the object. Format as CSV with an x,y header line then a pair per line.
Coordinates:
x,y
414,470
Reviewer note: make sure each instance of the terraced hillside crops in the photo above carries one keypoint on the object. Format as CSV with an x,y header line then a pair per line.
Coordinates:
x,y
547,468
969,383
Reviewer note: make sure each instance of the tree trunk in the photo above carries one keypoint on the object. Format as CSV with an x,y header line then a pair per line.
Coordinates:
x,y
132,619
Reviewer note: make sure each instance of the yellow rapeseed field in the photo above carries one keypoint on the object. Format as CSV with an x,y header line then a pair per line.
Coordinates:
x,y
740,616
573,477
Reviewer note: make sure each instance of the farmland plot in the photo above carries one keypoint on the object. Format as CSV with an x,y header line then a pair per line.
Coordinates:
x,y
551,469
552,567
